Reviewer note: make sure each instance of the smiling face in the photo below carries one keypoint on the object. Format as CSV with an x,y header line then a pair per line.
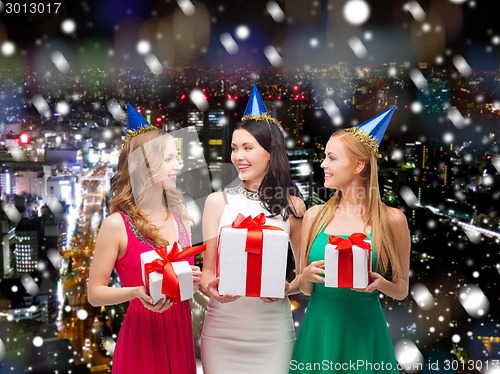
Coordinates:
x,y
249,157
340,169
170,166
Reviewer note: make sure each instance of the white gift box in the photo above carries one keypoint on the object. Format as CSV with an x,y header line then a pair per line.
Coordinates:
x,y
336,271
181,268
233,262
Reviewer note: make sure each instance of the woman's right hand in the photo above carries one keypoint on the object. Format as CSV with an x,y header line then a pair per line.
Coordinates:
x,y
146,300
213,291
196,277
312,272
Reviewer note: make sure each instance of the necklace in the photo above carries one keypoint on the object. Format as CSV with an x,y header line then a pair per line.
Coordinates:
x,y
242,190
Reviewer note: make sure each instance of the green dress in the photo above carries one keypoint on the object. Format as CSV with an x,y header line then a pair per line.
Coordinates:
x,y
343,331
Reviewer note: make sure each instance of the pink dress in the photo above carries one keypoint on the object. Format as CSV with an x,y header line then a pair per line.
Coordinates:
x,y
151,342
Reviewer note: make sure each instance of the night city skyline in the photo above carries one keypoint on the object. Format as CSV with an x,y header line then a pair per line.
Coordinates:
x,y
188,67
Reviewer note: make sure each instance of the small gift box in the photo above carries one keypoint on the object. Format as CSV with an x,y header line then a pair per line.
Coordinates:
x,y
348,261
166,274
252,258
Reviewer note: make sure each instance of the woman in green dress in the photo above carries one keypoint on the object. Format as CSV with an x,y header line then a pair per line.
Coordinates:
x,y
344,330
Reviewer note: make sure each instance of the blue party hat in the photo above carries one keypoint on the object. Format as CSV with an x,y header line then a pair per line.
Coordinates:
x,y
136,124
256,110
134,119
372,131
255,104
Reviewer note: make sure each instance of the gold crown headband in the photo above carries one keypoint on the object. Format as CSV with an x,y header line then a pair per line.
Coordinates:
x,y
366,139
265,118
133,133
260,117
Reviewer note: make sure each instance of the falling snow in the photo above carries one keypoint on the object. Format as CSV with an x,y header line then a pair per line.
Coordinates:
x,y
438,88
273,56
68,26
229,43
199,100
275,11
8,48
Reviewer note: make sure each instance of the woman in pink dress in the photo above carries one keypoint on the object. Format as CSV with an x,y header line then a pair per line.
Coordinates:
x,y
146,212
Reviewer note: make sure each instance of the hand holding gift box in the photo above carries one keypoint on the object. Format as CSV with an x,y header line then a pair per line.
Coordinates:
x,y
166,273
348,261
252,258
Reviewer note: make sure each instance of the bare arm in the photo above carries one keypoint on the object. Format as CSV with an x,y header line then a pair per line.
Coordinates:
x,y
112,236
212,213
309,273
295,234
398,287
196,269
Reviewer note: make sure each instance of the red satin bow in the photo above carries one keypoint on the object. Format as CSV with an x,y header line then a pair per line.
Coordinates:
x,y
344,246
354,239
255,227
170,283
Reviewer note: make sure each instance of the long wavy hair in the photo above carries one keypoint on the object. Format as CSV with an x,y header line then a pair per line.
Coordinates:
x,y
277,185
376,213
138,168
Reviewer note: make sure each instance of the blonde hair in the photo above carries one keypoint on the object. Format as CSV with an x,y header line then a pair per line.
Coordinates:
x,y
138,166
377,211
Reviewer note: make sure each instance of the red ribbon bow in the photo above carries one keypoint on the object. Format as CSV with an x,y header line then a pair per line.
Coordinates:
x,y
354,239
253,248
255,235
344,246
170,284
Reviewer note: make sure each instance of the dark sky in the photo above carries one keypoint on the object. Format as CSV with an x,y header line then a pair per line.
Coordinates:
x,y
466,28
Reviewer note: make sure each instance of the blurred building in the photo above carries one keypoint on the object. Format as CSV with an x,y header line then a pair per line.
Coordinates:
x,y
54,225
62,187
216,136
290,114
195,118
30,182
36,308
216,144
7,182
28,245
301,161
8,238
65,159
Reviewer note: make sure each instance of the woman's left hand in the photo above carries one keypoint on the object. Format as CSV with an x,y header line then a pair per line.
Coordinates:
x,y
196,277
376,283
287,288
269,300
